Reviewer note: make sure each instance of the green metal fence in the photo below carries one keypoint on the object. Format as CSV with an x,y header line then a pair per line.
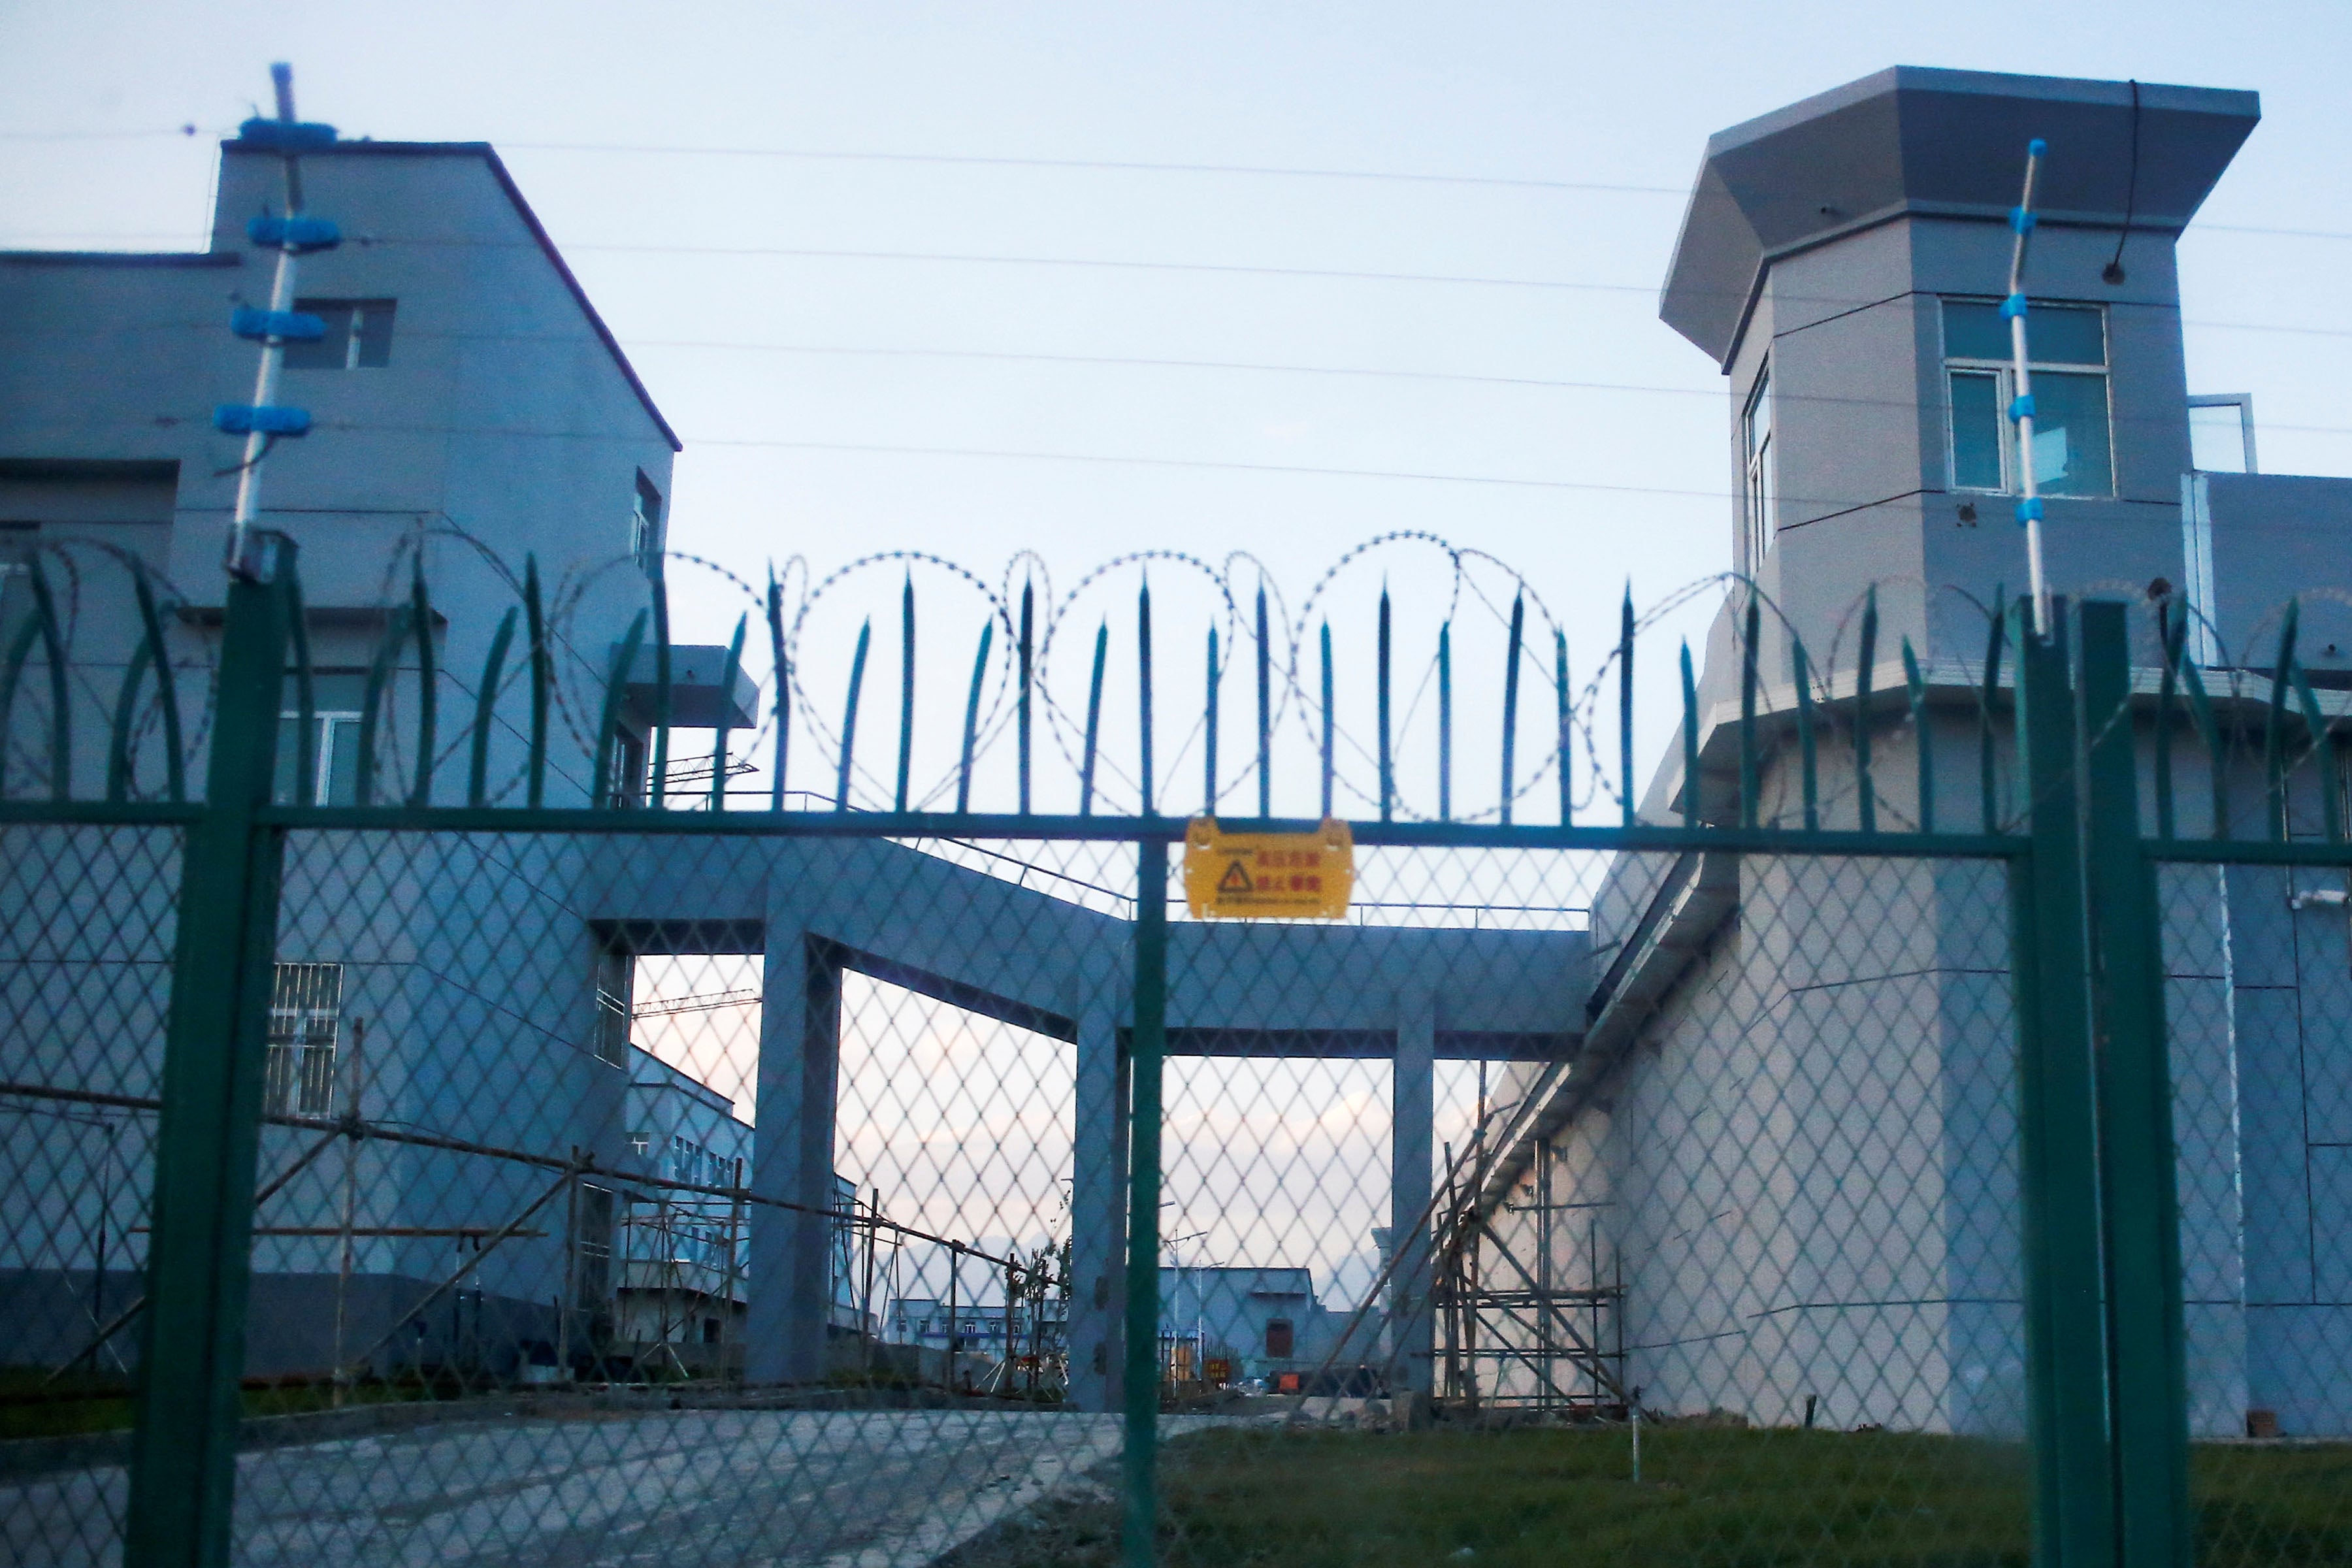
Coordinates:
x,y
1746,1179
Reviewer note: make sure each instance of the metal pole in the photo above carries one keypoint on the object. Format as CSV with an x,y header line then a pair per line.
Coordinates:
x,y
2075,1508
184,1447
2150,1397
1146,1057
273,347
351,1205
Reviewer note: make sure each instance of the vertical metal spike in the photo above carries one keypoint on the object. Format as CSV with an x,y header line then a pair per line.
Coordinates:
x,y
486,709
1625,704
1265,711
2323,752
151,624
658,793
779,709
1690,743
1143,703
1988,780
1028,652
906,689
153,654
428,685
1808,759
849,715
1511,703
1446,722
118,747
1327,721
728,675
1923,735
306,689
608,791
1093,722
1751,634
1388,760
1564,712
971,718
2200,709
379,676
2274,723
2170,633
543,677
12,671
1866,791
1209,720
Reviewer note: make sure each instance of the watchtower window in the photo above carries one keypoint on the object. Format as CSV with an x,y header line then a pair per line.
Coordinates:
x,y
1760,496
358,336
2067,370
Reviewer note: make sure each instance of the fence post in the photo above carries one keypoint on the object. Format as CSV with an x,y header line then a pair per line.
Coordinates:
x,y
2074,1506
1147,1050
184,1448
2149,1396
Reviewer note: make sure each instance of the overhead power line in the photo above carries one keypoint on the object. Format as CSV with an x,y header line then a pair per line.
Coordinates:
x,y
1115,165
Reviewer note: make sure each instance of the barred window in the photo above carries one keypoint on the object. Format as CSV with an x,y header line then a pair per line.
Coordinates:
x,y
306,1009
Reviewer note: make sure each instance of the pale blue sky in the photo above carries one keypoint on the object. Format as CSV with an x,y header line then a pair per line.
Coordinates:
x,y
1618,97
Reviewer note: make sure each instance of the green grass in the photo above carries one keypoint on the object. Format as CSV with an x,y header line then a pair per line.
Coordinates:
x,y
76,1405
1708,1495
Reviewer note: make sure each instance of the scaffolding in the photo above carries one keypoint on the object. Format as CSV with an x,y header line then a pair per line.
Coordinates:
x,y
1520,1333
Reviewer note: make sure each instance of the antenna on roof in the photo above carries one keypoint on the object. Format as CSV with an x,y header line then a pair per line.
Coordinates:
x,y
260,422
2020,405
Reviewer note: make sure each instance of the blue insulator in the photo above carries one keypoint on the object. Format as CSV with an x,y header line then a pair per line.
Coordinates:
x,y
296,234
2020,220
2012,306
2021,407
2029,511
287,326
286,136
246,419
2036,148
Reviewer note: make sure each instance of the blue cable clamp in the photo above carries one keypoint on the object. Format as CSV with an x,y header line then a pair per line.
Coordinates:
x,y
2029,511
287,326
262,419
299,234
285,135
2021,407
2020,220
2012,306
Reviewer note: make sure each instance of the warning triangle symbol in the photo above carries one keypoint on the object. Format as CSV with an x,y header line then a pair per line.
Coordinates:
x,y
1235,880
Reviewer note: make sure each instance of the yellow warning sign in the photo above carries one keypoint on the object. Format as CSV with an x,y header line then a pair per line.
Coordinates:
x,y
1268,876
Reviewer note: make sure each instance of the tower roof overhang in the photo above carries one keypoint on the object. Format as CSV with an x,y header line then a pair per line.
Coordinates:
x,y
1911,141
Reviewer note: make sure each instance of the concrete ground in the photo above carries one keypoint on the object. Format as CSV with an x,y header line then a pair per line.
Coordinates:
x,y
821,1489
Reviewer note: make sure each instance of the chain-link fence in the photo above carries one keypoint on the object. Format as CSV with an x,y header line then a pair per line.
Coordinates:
x,y
1758,1176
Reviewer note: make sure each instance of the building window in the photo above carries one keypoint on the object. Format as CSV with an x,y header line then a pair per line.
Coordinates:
x,y
645,525
615,981
359,335
1279,1343
1761,491
2221,432
306,1009
2072,453
339,758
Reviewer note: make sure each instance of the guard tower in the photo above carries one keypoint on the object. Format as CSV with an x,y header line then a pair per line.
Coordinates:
x,y
1842,260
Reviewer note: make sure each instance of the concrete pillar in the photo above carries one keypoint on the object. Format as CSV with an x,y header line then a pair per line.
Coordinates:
x,y
1098,1189
1413,1321
800,1039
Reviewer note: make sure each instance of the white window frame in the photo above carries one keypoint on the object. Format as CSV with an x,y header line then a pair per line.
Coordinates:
x,y
2004,374
2243,402
1759,487
328,720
